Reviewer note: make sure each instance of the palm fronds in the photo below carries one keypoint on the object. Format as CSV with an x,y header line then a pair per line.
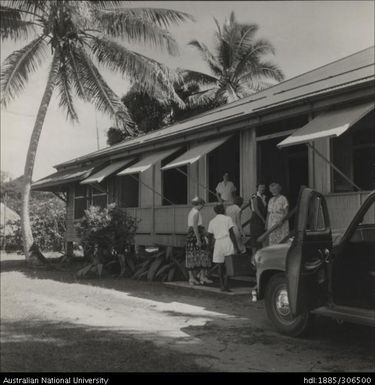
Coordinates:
x,y
141,25
189,76
147,73
18,66
64,87
34,7
12,26
208,57
203,98
100,93
238,64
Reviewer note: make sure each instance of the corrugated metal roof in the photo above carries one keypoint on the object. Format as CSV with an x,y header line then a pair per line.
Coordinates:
x,y
62,177
354,69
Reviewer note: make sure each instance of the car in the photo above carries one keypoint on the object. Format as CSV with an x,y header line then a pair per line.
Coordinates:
x,y
308,274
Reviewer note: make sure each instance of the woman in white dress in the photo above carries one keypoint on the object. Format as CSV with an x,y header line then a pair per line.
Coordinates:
x,y
278,207
220,228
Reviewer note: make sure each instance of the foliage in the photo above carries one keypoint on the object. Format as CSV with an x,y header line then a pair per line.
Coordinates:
x,y
78,32
162,267
238,66
48,225
107,236
47,215
152,113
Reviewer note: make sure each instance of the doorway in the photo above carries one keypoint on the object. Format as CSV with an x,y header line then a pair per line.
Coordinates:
x,y
289,167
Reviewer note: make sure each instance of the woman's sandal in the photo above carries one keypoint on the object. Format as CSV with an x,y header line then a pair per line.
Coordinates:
x,y
193,282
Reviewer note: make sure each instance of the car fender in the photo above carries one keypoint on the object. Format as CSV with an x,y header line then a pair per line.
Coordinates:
x,y
269,261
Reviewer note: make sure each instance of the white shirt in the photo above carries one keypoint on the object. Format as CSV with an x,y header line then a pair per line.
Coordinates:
x,y
225,190
220,226
191,216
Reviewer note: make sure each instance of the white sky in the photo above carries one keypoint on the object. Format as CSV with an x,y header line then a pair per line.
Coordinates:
x,y
306,34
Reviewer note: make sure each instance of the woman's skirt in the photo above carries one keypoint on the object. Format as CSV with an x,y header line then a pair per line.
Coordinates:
x,y
197,257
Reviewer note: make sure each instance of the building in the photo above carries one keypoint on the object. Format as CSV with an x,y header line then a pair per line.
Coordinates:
x,y
316,129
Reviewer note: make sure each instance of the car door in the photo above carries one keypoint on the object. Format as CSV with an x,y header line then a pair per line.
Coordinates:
x,y
307,259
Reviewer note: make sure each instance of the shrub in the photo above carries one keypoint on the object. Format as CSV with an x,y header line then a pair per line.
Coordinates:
x,y
107,236
47,225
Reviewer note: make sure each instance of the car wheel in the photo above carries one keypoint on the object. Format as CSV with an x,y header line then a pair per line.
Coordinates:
x,y
278,310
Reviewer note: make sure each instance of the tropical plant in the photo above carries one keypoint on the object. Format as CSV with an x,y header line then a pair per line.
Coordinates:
x,y
152,112
106,236
48,227
161,266
238,65
75,33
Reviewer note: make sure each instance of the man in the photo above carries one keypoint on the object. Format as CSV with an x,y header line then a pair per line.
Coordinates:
x,y
225,189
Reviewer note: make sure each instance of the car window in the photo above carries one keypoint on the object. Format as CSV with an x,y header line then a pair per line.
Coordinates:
x,y
316,221
369,216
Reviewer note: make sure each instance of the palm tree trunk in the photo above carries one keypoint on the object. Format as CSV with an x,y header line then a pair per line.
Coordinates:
x,y
30,158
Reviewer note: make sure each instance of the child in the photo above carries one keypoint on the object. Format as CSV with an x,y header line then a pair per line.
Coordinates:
x,y
221,229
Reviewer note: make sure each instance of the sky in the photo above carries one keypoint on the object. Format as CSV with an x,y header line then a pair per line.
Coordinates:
x,y
306,35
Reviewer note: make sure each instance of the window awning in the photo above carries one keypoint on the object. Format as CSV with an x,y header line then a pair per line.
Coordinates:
x,y
329,124
51,182
147,162
195,153
107,171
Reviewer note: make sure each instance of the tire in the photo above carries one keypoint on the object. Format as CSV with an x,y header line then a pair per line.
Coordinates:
x,y
278,311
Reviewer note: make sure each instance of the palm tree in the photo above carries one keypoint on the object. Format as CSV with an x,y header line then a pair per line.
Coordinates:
x,y
74,33
238,67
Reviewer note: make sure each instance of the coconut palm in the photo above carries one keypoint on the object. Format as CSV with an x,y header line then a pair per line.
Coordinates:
x,y
238,65
74,34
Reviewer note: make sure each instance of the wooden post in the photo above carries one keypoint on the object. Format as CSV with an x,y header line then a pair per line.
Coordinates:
x,y
153,203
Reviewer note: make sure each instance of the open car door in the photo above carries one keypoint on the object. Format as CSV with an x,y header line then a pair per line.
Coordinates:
x,y
308,256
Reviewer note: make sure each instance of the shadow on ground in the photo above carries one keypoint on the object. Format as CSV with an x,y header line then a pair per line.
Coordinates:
x,y
39,346
325,335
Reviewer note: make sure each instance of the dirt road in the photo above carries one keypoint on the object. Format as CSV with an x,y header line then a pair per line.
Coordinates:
x,y
52,322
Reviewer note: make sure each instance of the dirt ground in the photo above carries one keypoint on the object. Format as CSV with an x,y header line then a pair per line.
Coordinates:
x,y
50,321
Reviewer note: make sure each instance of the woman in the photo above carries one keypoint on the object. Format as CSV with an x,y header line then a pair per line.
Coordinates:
x,y
278,207
258,205
220,228
197,255
234,211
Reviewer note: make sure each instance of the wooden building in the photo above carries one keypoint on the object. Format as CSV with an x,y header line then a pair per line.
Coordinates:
x,y
316,129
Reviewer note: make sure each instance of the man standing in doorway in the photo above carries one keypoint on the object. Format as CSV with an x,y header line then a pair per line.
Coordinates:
x,y
225,189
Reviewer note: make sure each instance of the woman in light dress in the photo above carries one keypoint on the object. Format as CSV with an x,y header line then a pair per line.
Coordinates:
x,y
278,207
197,254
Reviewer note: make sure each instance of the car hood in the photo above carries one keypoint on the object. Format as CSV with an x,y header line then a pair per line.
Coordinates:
x,y
272,257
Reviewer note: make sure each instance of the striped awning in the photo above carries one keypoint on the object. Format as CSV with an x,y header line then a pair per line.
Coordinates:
x,y
328,124
146,162
195,153
99,176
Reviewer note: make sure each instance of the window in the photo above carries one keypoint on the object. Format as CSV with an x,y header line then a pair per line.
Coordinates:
x,y
174,182
369,216
99,195
85,196
128,190
316,221
225,158
80,200
353,153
